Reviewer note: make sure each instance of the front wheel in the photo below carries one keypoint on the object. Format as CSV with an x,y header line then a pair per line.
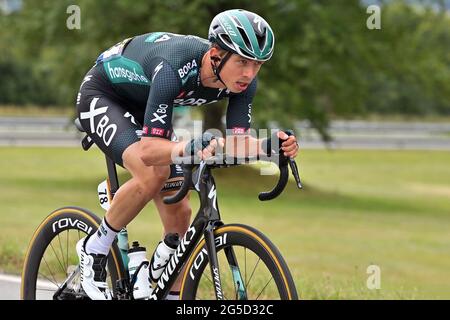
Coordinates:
x,y
50,269
251,268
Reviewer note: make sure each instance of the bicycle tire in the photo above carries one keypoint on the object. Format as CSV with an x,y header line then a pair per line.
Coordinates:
x,y
62,220
237,235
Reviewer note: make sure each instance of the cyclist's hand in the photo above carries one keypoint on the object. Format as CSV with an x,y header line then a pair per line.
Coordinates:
x,y
204,146
289,146
210,150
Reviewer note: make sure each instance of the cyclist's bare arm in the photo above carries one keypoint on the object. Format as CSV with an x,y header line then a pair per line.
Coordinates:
x,y
248,146
159,151
240,146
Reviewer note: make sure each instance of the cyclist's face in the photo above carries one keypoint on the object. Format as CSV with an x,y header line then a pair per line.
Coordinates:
x,y
239,72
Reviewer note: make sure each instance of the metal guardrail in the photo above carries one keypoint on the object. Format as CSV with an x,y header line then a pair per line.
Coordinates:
x,y
60,131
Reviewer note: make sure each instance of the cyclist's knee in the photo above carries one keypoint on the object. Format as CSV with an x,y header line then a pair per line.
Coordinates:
x,y
161,173
151,180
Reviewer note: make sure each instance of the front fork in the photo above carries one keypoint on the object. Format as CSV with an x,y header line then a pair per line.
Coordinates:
x,y
239,285
213,261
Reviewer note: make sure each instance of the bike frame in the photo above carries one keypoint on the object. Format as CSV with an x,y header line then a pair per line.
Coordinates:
x,y
205,222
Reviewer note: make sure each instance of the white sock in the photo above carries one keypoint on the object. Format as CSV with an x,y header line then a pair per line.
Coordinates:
x,y
102,239
173,295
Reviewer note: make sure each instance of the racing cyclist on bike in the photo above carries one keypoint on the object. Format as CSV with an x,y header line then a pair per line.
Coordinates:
x,y
125,105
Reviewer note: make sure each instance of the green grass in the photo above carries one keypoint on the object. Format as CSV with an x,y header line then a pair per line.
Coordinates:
x,y
358,208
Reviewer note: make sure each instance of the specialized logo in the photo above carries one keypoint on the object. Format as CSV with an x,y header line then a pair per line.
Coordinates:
x,y
86,79
104,130
123,70
258,21
158,67
249,113
129,115
217,283
213,195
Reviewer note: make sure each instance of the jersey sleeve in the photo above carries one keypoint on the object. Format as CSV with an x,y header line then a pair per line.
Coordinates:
x,y
239,111
165,86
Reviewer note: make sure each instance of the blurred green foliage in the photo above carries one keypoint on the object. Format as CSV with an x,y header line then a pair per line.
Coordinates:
x,y
327,62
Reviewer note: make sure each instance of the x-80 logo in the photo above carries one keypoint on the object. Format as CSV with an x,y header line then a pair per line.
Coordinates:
x,y
104,130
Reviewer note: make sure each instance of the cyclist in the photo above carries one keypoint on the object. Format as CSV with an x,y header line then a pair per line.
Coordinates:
x,y
125,104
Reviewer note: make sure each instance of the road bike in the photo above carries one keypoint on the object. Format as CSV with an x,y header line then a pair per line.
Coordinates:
x,y
215,260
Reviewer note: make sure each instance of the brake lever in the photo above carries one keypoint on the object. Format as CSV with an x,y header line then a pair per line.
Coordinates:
x,y
295,173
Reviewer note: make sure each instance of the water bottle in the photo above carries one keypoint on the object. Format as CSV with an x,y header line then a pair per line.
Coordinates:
x,y
162,255
139,274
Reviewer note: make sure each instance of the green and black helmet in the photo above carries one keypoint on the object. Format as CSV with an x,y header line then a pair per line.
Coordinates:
x,y
243,32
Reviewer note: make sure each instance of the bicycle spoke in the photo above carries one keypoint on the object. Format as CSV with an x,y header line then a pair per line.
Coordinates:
x,y
62,253
264,288
67,247
253,272
50,280
46,289
59,261
245,265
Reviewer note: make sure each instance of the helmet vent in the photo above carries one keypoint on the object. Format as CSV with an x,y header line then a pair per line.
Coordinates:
x,y
261,41
226,38
245,38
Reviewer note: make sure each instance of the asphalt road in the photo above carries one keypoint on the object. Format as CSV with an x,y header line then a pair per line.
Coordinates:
x,y
10,288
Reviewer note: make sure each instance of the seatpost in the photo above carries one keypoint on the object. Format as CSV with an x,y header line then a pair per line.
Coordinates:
x,y
112,175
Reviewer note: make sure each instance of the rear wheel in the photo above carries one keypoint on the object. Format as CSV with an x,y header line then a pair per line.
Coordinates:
x,y
251,268
51,265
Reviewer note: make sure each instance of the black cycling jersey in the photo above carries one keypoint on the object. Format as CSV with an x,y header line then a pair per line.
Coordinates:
x,y
155,72
133,87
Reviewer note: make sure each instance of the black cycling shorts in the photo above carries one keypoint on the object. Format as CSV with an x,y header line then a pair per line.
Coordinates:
x,y
107,120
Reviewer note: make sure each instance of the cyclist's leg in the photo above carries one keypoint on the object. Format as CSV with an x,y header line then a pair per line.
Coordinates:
x,y
116,133
175,219
145,183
